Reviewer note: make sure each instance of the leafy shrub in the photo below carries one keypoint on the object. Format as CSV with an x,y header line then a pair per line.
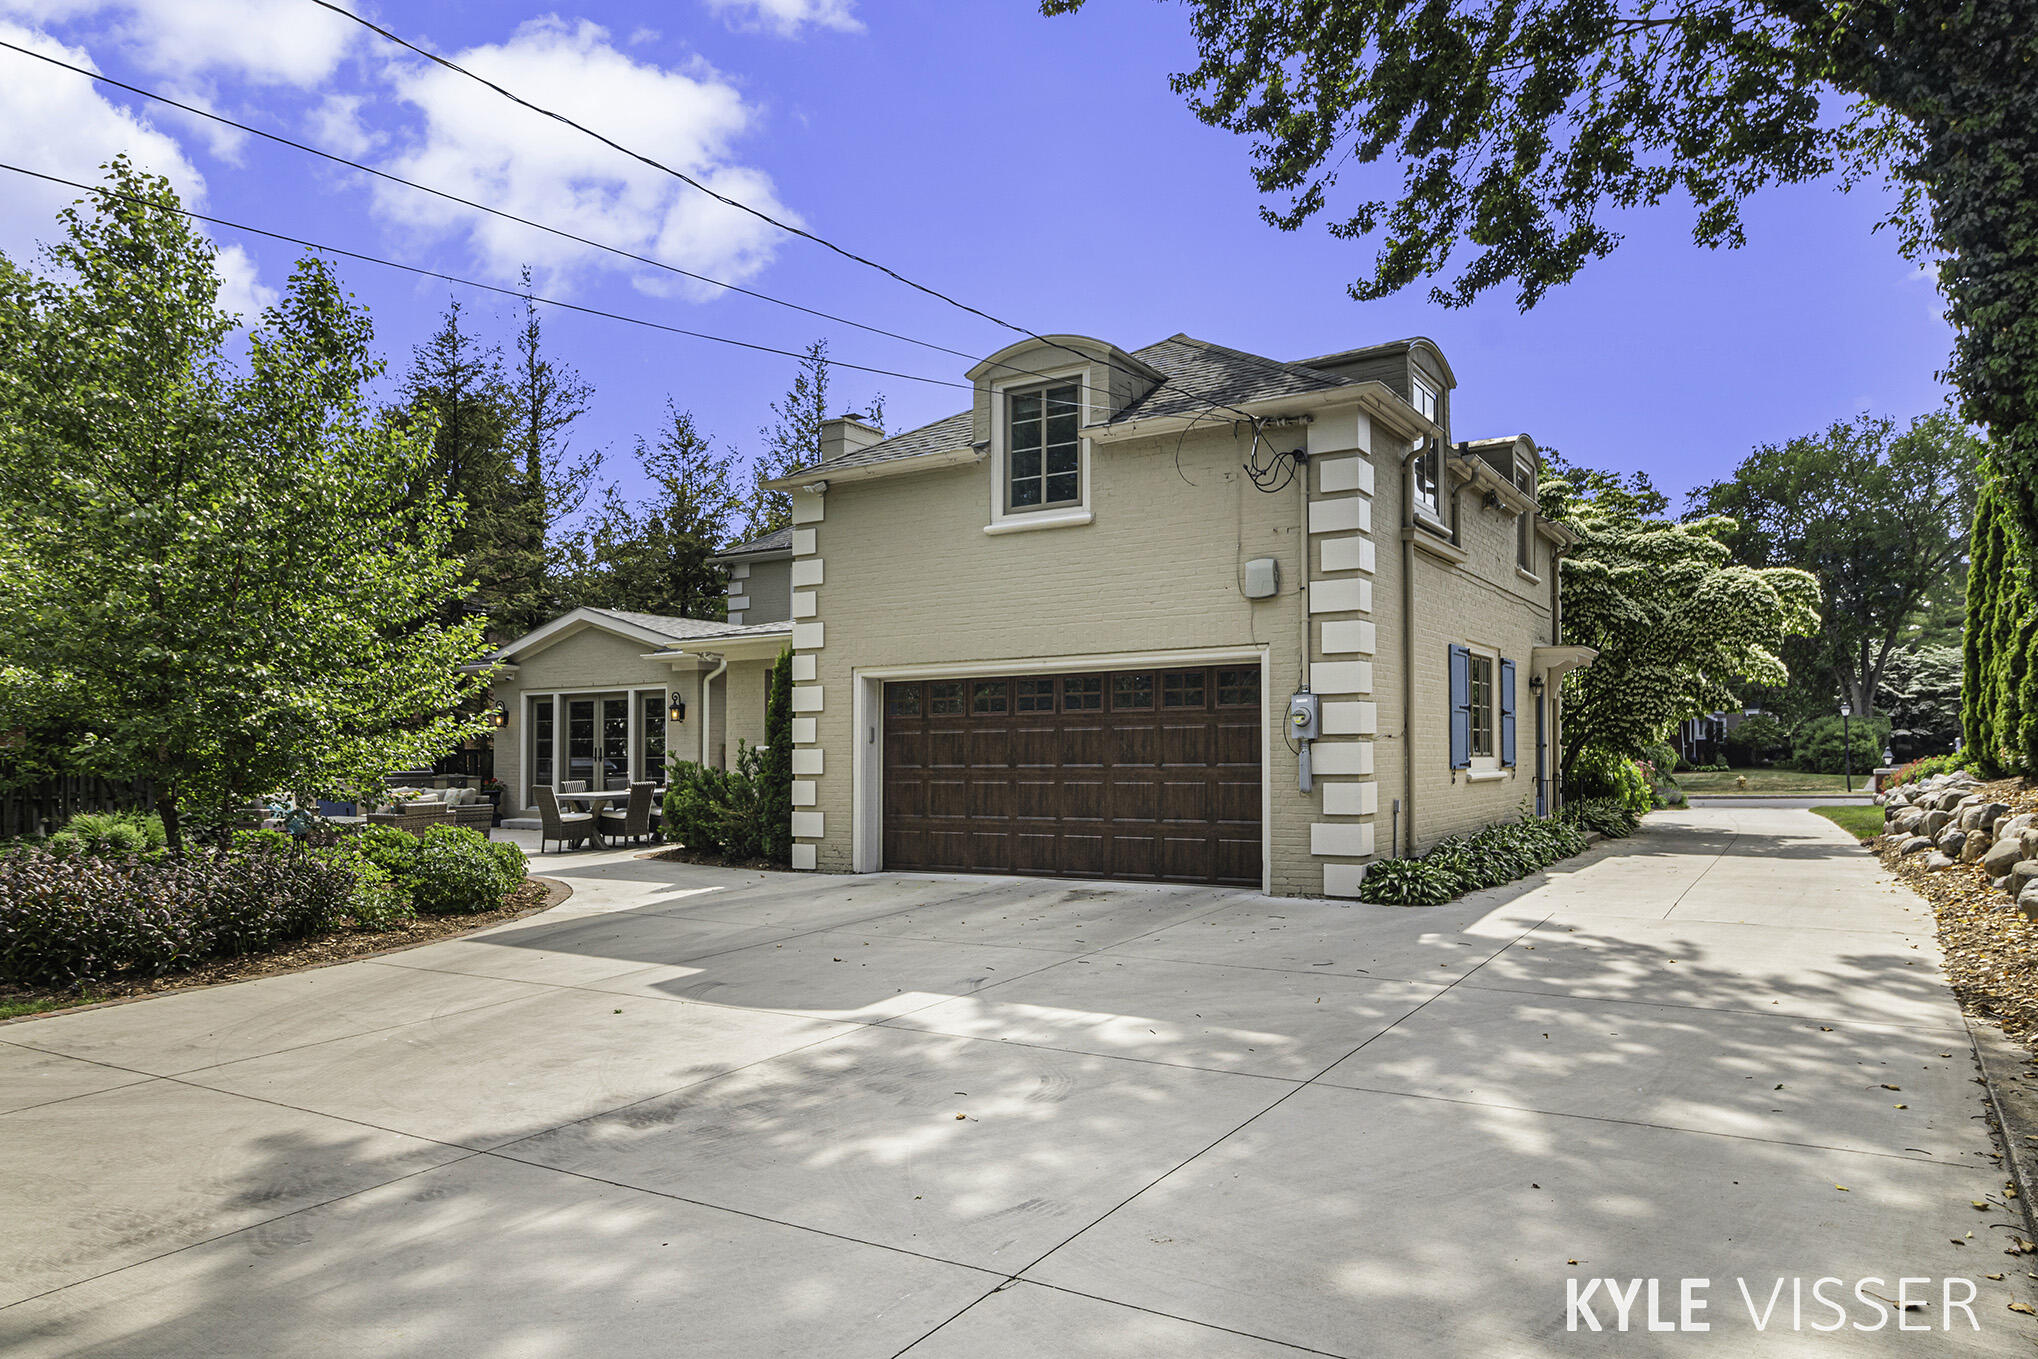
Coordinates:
x,y
1611,817
104,834
456,873
1600,773
1933,765
263,842
1467,863
393,851
511,859
68,918
723,811
376,902
1821,746
1408,882
1665,759
1757,737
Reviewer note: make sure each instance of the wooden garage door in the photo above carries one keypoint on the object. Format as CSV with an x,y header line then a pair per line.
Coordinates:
x,y
1150,774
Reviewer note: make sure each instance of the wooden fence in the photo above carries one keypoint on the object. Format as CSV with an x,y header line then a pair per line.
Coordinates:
x,y
41,808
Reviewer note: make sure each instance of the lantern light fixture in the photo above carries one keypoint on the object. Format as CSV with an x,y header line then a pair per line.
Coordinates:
x,y
498,716
677,712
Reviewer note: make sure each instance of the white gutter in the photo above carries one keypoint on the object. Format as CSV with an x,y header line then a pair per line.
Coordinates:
x,y
891,467
707,701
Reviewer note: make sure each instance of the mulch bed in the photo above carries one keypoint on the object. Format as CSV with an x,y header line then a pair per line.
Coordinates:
x,y
678,855
537,894
1991,951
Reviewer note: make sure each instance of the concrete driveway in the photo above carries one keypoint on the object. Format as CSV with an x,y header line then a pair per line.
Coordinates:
x,y
709,1112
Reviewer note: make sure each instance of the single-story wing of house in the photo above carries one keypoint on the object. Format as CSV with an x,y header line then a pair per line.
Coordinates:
x,y
603,696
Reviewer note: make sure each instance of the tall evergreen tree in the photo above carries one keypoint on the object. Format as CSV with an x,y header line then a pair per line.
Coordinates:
x,y
456,384
654,555
791,441
544,397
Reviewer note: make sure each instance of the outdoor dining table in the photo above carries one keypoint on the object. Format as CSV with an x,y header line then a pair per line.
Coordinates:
x,y
594,800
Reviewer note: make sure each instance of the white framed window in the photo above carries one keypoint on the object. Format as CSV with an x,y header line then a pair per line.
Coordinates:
x,y
1423,397
1485,717
1425,478
1525,524
1040,462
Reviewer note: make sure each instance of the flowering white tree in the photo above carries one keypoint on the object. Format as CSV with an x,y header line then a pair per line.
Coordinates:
x,y
1676,622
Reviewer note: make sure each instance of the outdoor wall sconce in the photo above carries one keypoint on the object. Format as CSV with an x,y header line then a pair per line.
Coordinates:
x,y
1535,684
498,716
677,712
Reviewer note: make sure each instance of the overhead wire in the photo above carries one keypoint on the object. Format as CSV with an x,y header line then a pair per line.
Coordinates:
x,y
473,283
738,204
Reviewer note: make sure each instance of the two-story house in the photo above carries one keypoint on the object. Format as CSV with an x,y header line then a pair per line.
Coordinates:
x,y
1061,632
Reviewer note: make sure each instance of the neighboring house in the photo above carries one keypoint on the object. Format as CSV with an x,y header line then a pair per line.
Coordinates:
x,y
1057,633
603,696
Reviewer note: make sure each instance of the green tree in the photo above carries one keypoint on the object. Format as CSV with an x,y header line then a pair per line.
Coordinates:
x,y
456,389
792,440
654,555
1517,125
226,579
1999,676
544,398
1921,693
1877,513
1676,622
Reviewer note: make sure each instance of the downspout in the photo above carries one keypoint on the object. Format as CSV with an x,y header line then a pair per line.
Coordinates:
x,y
1408,531
708,703
1556,687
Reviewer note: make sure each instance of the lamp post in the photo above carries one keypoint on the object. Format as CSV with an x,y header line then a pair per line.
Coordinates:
x,y
1847,740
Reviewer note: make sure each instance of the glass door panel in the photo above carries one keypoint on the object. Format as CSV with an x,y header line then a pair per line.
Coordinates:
x,y
580,751
615,743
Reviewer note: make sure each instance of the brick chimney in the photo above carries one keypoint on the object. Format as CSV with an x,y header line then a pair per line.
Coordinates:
x,y
847,434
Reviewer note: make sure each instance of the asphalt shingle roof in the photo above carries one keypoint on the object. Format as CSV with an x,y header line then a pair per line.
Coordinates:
x,y
778,540
1197,374
688,629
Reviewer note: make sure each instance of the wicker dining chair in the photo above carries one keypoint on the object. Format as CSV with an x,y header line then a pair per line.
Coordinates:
x,y
568,828
634,821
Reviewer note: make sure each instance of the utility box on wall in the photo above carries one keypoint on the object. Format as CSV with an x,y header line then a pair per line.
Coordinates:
x,y
1262,578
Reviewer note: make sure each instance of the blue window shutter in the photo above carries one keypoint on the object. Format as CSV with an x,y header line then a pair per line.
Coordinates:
x,y
1461,708
1507,713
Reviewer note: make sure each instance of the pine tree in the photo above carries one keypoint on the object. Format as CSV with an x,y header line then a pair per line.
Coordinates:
x,y
456,383
545,397
791,441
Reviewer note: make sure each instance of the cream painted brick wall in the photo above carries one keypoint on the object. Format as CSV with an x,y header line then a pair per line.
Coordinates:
x,y
589,659
947,592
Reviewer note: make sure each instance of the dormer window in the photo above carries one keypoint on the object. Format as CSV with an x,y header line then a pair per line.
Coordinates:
x,y
1043,461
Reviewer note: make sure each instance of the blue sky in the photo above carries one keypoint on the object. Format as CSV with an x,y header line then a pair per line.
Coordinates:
x,y
1039,169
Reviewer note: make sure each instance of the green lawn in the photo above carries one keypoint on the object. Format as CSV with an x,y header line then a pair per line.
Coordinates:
x,y
12,1007
1863,823
1766,781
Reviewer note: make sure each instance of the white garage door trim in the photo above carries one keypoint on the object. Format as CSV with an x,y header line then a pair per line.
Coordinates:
x,y
867,768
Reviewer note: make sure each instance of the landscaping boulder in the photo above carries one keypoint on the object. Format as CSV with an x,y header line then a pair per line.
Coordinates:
x,y
1907,821
2023,821
2022,874
1993,814
1940,862
1952,841
1947,801
1977,847
1934,822
2002,856
1917,844
2027,902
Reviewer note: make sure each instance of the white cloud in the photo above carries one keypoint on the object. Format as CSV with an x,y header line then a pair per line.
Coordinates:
x,y
336,126
787,17
56,122
475,144
280,42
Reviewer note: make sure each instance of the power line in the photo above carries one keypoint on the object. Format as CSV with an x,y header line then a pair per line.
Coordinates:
x,y
726,200
499,212
474,283
470,203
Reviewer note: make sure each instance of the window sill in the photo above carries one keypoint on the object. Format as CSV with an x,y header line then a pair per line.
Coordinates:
x,y
1041,519
1528,575
1485,775
1435,541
